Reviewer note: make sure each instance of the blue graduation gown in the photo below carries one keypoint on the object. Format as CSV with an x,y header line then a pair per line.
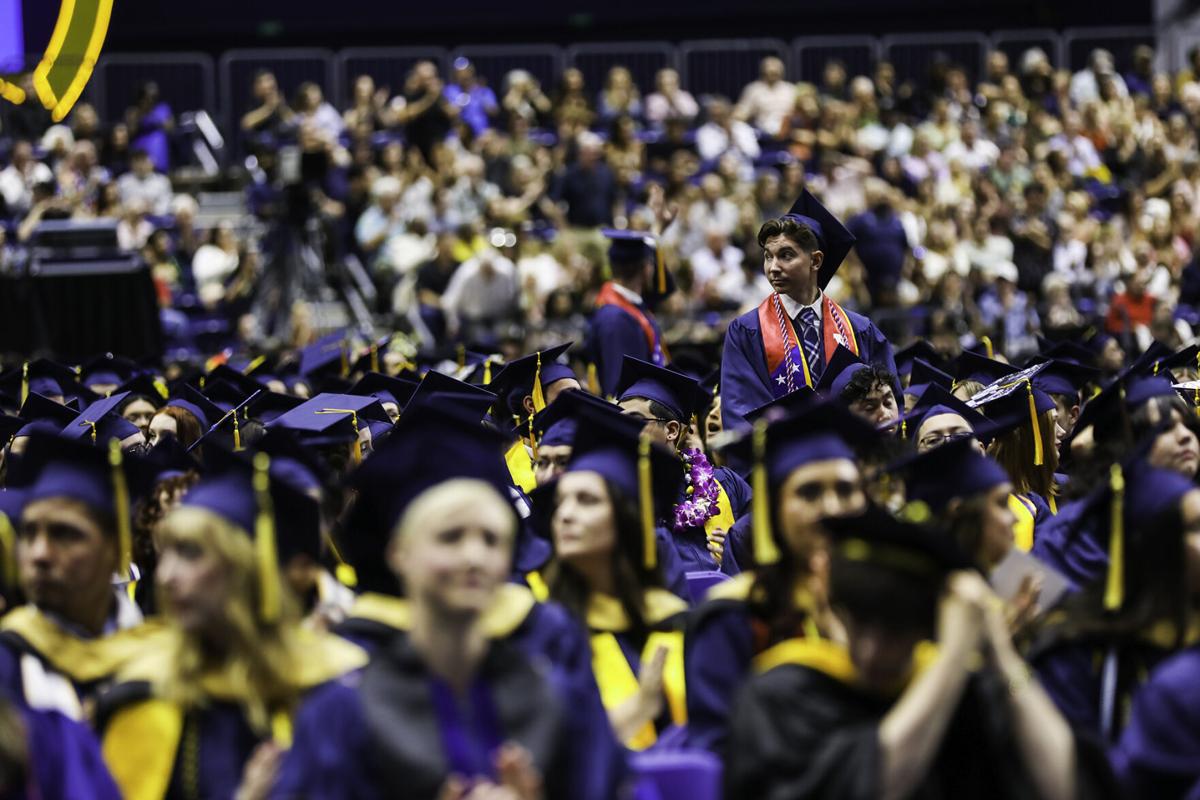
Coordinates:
x,y
1078,555
745,381
692,544
1158,755
64,760
612,333
719,649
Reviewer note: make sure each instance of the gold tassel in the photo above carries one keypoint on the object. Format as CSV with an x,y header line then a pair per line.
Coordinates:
x,y
1038,456
356,450
161,387
765,550
1154,372
539,398
237,434
345,363
270,603
253,365
1114,587
487,371
661,270
533,444
462,356
24,382
92,425
987,346
120,507
646,504
593,380
8,539
374,358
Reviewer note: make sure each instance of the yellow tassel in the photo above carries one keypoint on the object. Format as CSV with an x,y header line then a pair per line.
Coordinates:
x,y
539,399
1154,372
345,363
270,603
487,372
1114,587
92,425
237,435
356,450
1038,456
593,380
765,550
8,539
646,504
374,358
462,356
253,365
161,387
987,346
281,729
533,444
24,382
121,508
661,270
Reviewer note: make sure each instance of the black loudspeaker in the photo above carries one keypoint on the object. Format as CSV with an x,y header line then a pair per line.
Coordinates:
x,y
72,309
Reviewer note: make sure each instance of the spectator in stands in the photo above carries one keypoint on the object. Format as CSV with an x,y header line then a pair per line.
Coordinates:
x,y
311,108
718,258
29,120
380,223
523,98
80,177
115,155
834,81
19,177
432,279
711,212
767,101
587,188
1007,313
1140,79
882,244
272,113
142,184
215,264
1132,308
186,235
1034,235
424,111
1086,84
572,107
725,133
669,100
619,96
623,151
368,106
46,205
85,125
975,152
481,295
476,102
150,122
133,229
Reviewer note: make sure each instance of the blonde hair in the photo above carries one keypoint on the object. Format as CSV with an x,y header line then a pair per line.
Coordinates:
x,y
449,495
259,656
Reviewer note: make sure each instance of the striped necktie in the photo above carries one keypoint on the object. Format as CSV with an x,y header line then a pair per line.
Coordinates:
x,y
810,338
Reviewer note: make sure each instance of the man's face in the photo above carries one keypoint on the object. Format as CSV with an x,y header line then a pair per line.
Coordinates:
x,y
790,270
551,462
878,407
814,491
553,390
663,431
942,428
64,557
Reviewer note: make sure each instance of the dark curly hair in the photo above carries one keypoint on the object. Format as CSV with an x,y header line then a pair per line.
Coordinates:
x,y
798,232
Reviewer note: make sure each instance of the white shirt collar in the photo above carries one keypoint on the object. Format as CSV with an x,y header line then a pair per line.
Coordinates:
x,y
628,294
793,308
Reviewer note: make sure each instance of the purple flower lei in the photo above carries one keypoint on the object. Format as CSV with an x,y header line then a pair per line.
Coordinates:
x,y
703,490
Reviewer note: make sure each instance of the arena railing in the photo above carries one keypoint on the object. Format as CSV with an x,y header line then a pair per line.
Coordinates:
x,y
1120,41
726,66
1015,42
185,81
642,59
389,66
495,61
912,54
860,54
291,66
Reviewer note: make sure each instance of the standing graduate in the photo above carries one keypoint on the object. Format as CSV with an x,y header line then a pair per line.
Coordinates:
x,y
887,714
713,498
806,469
787,341
206,705
445,709
602,514
623,322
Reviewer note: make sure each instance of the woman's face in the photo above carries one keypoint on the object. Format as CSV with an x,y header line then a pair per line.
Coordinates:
x,y
1176,448
831,488
194,581
996,527
712,423
162,424
458,555
140,412
584,525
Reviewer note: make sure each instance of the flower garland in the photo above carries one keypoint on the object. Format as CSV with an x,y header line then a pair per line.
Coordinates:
x,y
703,492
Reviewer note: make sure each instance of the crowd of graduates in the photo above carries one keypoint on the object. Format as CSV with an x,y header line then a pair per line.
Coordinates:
x,y
823,568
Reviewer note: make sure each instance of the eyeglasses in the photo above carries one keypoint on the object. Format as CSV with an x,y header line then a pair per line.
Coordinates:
x,y
935,439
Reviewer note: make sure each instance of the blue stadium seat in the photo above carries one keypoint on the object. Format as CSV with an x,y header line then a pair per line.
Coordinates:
x,y
690,774
700,582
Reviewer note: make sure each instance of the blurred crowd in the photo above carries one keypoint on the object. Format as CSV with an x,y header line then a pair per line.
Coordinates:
x,y
1031,200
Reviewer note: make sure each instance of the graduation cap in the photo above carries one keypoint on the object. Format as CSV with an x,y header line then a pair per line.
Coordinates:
x,y
822,431
291,461
1064,378
922,349
325,358
229,429
385,389
833,239
779,407
1147,362
38,407
282,521
192,401
682,395
244,384
47,378
99,422
529,376
432,444
225,395
1013,401
437,384
970,366
267,406
150,387
898,544
168,457
925,375
9,425
1067,351
645,472
842,367
557,424
108,370
334,419
1187,358
935,401
952,470
102,478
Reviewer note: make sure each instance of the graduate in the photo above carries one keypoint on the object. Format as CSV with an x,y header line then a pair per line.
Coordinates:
x,y
887,714
72,520
787,341
601,514
938,417
867,390
207,703
144,396
712,499
805,469
623,322
1096,648
449,702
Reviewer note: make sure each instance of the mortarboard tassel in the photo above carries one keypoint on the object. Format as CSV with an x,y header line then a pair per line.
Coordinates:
x,y
374,358
593,379
462,356
1114,586
345,363
660,270
1196,401
765,550
533,444
237,434
539,398
487,371
161,388
121,508
356,450
646,504
24,382
987,346
253,365
264,542
1039,457
8,539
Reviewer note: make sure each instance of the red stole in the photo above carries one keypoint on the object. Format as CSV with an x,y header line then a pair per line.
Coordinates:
x,y
609,296
785,358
